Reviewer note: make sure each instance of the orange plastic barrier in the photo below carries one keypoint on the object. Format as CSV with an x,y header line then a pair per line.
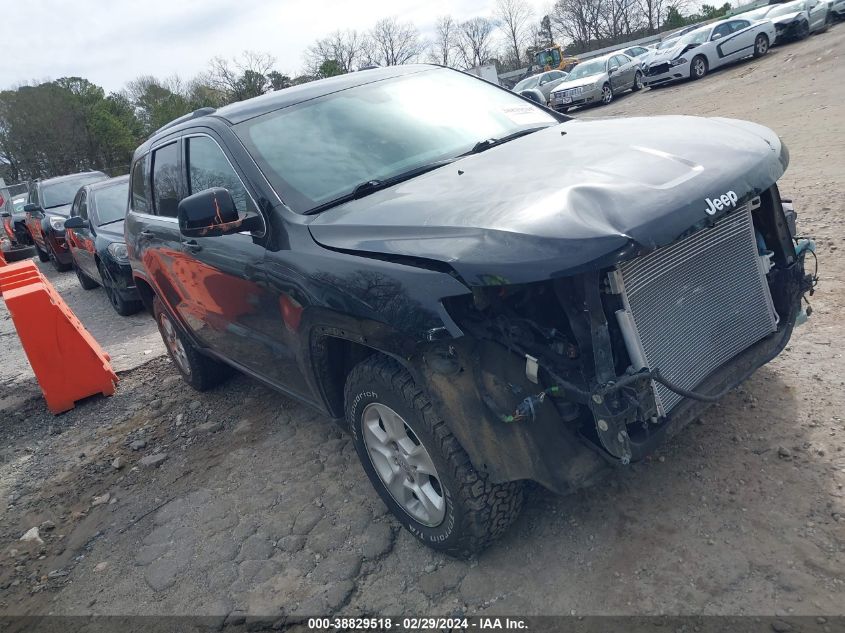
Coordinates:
x,y
68,363
2,259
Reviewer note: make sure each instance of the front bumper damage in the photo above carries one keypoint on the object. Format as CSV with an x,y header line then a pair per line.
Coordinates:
x,y
530,416
665,72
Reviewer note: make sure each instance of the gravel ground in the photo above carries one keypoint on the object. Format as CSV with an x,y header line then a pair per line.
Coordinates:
x,y
240,503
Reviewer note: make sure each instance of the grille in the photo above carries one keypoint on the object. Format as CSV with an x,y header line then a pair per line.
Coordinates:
x,y
658,69
695,304
570,92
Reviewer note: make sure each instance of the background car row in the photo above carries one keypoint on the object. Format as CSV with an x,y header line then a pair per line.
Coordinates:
x,y
76,221
690,53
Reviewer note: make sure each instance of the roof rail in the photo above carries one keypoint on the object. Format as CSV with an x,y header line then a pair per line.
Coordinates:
x,y
187,117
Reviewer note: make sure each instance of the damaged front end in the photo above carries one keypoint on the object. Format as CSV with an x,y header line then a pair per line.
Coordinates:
x,y
555,379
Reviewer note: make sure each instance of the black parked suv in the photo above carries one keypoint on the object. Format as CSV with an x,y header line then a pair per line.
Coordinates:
x,y
483,290
46,212
94,235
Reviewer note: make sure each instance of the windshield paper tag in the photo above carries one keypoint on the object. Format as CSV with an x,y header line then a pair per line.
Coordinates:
x,y
527,115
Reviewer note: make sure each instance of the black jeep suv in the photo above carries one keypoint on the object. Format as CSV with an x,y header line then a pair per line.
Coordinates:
x,y
485,291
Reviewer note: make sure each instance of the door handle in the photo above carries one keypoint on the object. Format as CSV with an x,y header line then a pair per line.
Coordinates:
x,y
192,246
146,233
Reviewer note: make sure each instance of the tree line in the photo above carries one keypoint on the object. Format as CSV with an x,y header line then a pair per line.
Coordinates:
x,y
71,124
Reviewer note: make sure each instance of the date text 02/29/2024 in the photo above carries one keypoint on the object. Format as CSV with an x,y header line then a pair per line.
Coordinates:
x,y
416,624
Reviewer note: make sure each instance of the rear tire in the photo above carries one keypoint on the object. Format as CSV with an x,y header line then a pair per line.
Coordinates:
x,y
198,370
405,446
698,67
84,280
761,45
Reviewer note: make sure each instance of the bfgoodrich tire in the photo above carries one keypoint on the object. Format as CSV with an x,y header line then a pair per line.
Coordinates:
x,y
418,467
199,371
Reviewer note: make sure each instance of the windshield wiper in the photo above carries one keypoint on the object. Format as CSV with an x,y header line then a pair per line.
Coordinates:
x,y
371,186
492,142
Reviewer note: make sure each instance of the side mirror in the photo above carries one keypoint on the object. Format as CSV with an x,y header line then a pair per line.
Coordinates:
x,y
716,36
30,207
75,223
211,213
612,70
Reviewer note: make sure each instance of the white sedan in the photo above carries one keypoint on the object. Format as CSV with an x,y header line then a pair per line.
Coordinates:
x,y
708,47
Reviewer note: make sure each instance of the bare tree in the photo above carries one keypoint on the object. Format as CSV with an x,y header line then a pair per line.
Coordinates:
x,y
475,42
578,20
395,42
515,21
242,77
348,48
443,48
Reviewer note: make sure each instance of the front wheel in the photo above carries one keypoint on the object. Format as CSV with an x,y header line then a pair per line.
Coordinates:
x,y
761,45
42,256
418,467
199,371
803,30
606,94
59,266
84,280
124,307
698,68
638,81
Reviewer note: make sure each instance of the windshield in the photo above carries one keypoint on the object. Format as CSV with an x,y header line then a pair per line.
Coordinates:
x,y
321,150
784,9
757,14
60,193
695,37
112,202
19,203
667,43
525,84
585,69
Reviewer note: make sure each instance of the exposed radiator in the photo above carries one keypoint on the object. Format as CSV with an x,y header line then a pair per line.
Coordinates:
x,y
692,306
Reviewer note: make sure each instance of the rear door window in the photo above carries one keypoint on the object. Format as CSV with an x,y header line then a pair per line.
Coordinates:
x,y
166,180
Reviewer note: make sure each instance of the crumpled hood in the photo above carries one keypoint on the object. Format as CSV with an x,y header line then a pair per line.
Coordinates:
x,y
786,19
666,54
577,196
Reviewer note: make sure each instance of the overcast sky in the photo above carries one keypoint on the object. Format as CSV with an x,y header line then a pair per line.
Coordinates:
x,y
111,42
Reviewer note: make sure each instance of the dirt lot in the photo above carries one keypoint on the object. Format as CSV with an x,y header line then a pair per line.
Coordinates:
x,y
241,502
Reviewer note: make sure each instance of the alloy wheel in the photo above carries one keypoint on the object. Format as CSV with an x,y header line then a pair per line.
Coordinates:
x,y
762,46
699,68
403,464
606,95
638,81
174,344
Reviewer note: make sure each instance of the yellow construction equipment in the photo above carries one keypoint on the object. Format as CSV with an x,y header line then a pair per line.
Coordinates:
x,y
552,58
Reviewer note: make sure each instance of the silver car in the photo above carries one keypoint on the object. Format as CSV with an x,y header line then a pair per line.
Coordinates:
x,y
544,82
596,81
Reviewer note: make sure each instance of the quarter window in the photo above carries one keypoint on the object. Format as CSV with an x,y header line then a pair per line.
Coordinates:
x,y
208,167
83,206
166,180
140,195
